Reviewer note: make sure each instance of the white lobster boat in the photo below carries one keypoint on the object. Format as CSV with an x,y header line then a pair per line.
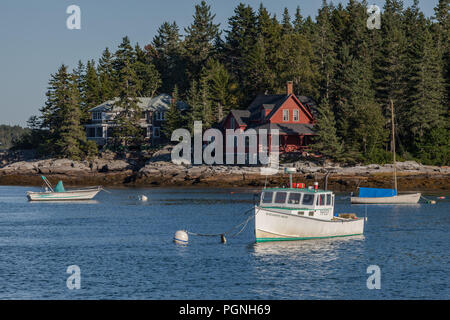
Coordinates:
x,y
300,213
61,194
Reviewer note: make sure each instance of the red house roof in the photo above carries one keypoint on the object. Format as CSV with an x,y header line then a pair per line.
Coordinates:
x,y
288,113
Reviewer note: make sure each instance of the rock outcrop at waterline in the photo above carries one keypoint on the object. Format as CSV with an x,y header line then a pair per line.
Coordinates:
x,y
109,172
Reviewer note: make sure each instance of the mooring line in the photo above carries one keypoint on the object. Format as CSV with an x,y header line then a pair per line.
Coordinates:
x,y
244,224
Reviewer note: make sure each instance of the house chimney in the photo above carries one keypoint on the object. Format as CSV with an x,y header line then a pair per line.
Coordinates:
x,y
289,88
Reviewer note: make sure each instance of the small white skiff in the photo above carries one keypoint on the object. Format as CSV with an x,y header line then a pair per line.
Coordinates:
x,y
68,195
60,194
398,199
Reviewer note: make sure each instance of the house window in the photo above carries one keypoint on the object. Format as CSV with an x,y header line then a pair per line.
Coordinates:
x,y
295,116
96,116
156,132
285,115
160,115
144,115
99,132
91,132
149,132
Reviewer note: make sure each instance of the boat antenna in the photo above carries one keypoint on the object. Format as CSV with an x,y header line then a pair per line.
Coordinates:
x,y
290,171
393,144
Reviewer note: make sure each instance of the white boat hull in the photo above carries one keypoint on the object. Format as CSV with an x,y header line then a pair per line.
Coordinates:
x,y
276,226
399,199
72,195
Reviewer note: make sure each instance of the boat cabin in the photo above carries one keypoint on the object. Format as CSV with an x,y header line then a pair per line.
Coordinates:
x,y
312,203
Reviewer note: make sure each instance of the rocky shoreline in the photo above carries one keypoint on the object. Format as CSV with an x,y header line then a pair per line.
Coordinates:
x,y
162,173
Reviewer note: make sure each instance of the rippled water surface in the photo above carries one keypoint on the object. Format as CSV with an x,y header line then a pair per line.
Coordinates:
x,y
124,250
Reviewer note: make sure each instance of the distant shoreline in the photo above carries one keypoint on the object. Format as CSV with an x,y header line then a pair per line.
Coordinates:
x,y
122,173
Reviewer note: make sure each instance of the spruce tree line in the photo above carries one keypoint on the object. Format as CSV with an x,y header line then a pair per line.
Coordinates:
x,y
351,71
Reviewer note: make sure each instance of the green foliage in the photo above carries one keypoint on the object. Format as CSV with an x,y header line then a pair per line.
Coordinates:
x,y
434,149
10,135
353,73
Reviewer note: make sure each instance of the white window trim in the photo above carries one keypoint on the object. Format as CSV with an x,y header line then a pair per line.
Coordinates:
x,y
97,116
284,113
294,114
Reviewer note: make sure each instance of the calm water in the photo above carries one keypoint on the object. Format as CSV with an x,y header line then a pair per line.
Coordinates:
x,y
124,249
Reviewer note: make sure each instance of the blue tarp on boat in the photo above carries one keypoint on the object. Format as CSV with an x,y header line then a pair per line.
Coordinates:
x,y
376,193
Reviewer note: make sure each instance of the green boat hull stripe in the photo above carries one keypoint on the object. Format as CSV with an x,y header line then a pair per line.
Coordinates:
x,y
304,238
296,209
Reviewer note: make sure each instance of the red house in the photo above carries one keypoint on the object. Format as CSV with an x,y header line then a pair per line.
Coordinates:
x,y
293,116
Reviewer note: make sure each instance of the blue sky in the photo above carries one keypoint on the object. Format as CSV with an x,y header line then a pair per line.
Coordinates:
x,y
35,40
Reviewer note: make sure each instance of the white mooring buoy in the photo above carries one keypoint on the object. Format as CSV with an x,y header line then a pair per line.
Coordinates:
x,y
181,237
143,198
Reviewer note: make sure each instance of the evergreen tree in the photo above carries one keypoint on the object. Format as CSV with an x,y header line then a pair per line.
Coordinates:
x,y
194,100
166,52
223,89
149,78
71,136
128,131
298,21
286,23
61,117
296,64
106,76
324,45
91,94
174,119
327,141
124,56
240,40
199,39
260,78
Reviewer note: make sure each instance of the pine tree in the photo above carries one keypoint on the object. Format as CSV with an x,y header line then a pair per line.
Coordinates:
x,y
223,89
149,78
296,64
128,131
91,92
199,39
323,46
240,40
260,77
174,119
107,76
124,56
205,102
298,21
166,52
71,136
326,140
61,117
286,22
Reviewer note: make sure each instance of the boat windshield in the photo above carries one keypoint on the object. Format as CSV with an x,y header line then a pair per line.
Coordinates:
x,y
280,197
267,197
308,199
294,198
